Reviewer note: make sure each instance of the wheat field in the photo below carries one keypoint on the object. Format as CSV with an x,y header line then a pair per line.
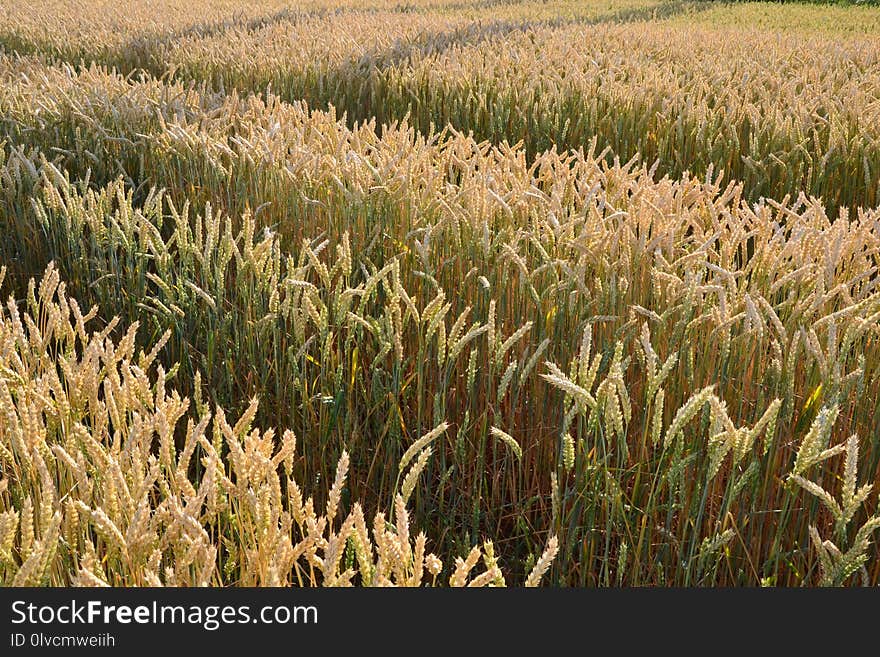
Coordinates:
x,y
441,293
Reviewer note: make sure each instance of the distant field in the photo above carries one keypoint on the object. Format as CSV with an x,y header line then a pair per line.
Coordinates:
x,y
781,97
586,292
